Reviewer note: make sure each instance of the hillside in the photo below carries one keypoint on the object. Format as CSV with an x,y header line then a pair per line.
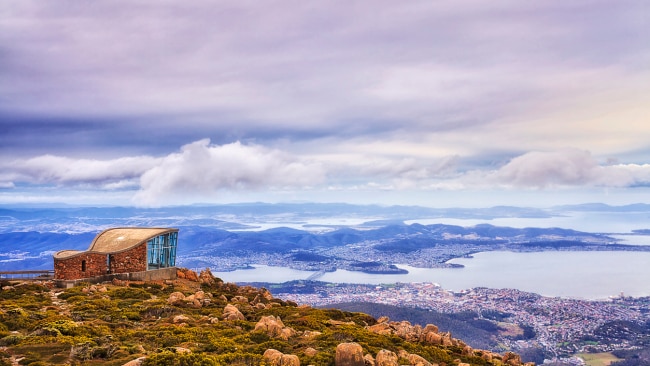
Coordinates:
x,y
200,320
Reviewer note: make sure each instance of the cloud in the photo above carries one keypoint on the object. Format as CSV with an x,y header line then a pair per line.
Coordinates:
x,y
566,168
59,170
201,170
425,69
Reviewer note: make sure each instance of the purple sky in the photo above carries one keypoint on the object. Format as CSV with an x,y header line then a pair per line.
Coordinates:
x,y
442,103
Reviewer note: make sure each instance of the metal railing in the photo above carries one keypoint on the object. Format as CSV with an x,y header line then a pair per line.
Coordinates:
x,y
42,275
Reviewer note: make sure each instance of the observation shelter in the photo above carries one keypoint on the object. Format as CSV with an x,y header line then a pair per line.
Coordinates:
x,y
130,253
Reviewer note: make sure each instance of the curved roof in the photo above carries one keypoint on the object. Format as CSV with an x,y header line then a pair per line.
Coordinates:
x,y
117,240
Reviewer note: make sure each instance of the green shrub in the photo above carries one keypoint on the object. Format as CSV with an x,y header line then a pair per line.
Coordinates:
x,y
129,293
66,327
168,358
11,340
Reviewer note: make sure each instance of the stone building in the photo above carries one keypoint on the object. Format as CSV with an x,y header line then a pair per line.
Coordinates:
x,y
125,253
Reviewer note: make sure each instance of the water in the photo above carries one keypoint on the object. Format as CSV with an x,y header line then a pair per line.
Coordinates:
x,y
582,275
632,239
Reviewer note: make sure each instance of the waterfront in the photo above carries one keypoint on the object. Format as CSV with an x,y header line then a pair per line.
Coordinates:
x,y
569,274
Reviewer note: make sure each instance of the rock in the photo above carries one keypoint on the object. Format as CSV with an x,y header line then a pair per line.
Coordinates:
x,y
383,319
468,351
381,328
349,354
406,331
266,294
272,356
310,352
180,319
277,358
386,358
511,358
239,299
230,312
191,276
368,360
182,350
274,327
175,297
118,282
310,334
430,328
206,277
137,362
433,338
417,360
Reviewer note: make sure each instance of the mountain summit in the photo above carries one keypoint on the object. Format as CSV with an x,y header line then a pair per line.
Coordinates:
x,y
200,320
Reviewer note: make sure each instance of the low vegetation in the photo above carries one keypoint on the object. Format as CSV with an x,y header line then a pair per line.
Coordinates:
x,y
195,320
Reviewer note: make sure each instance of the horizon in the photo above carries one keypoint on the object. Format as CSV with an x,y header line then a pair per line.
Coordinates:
x,y
460,104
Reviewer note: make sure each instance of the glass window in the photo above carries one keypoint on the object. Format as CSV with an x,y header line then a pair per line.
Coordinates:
x,y
161,251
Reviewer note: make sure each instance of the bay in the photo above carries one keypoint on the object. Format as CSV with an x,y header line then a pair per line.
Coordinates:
x,y
569,274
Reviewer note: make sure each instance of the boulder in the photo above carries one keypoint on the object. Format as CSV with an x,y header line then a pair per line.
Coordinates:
x,y
137,362
430,328
174,297
368,360
386,358
206,277
240,299
311,334
310,352
432,338
417,360
274,327
180,319
230,312
276,358
349,354
510,358
381,328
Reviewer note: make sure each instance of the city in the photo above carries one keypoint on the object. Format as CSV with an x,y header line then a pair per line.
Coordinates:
x,y
562,327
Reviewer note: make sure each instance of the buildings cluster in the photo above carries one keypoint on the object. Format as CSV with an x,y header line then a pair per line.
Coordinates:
x,y
561,325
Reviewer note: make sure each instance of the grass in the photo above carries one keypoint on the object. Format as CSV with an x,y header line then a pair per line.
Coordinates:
x,y
598,359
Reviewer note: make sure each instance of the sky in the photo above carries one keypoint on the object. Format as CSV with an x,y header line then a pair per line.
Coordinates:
x,y
434,103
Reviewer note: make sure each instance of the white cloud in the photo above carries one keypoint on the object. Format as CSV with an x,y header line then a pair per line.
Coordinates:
x,y
50,169
566,168
203,170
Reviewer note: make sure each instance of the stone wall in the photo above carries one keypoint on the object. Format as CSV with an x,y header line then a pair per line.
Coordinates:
x,y
132,260
88,264
80,266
